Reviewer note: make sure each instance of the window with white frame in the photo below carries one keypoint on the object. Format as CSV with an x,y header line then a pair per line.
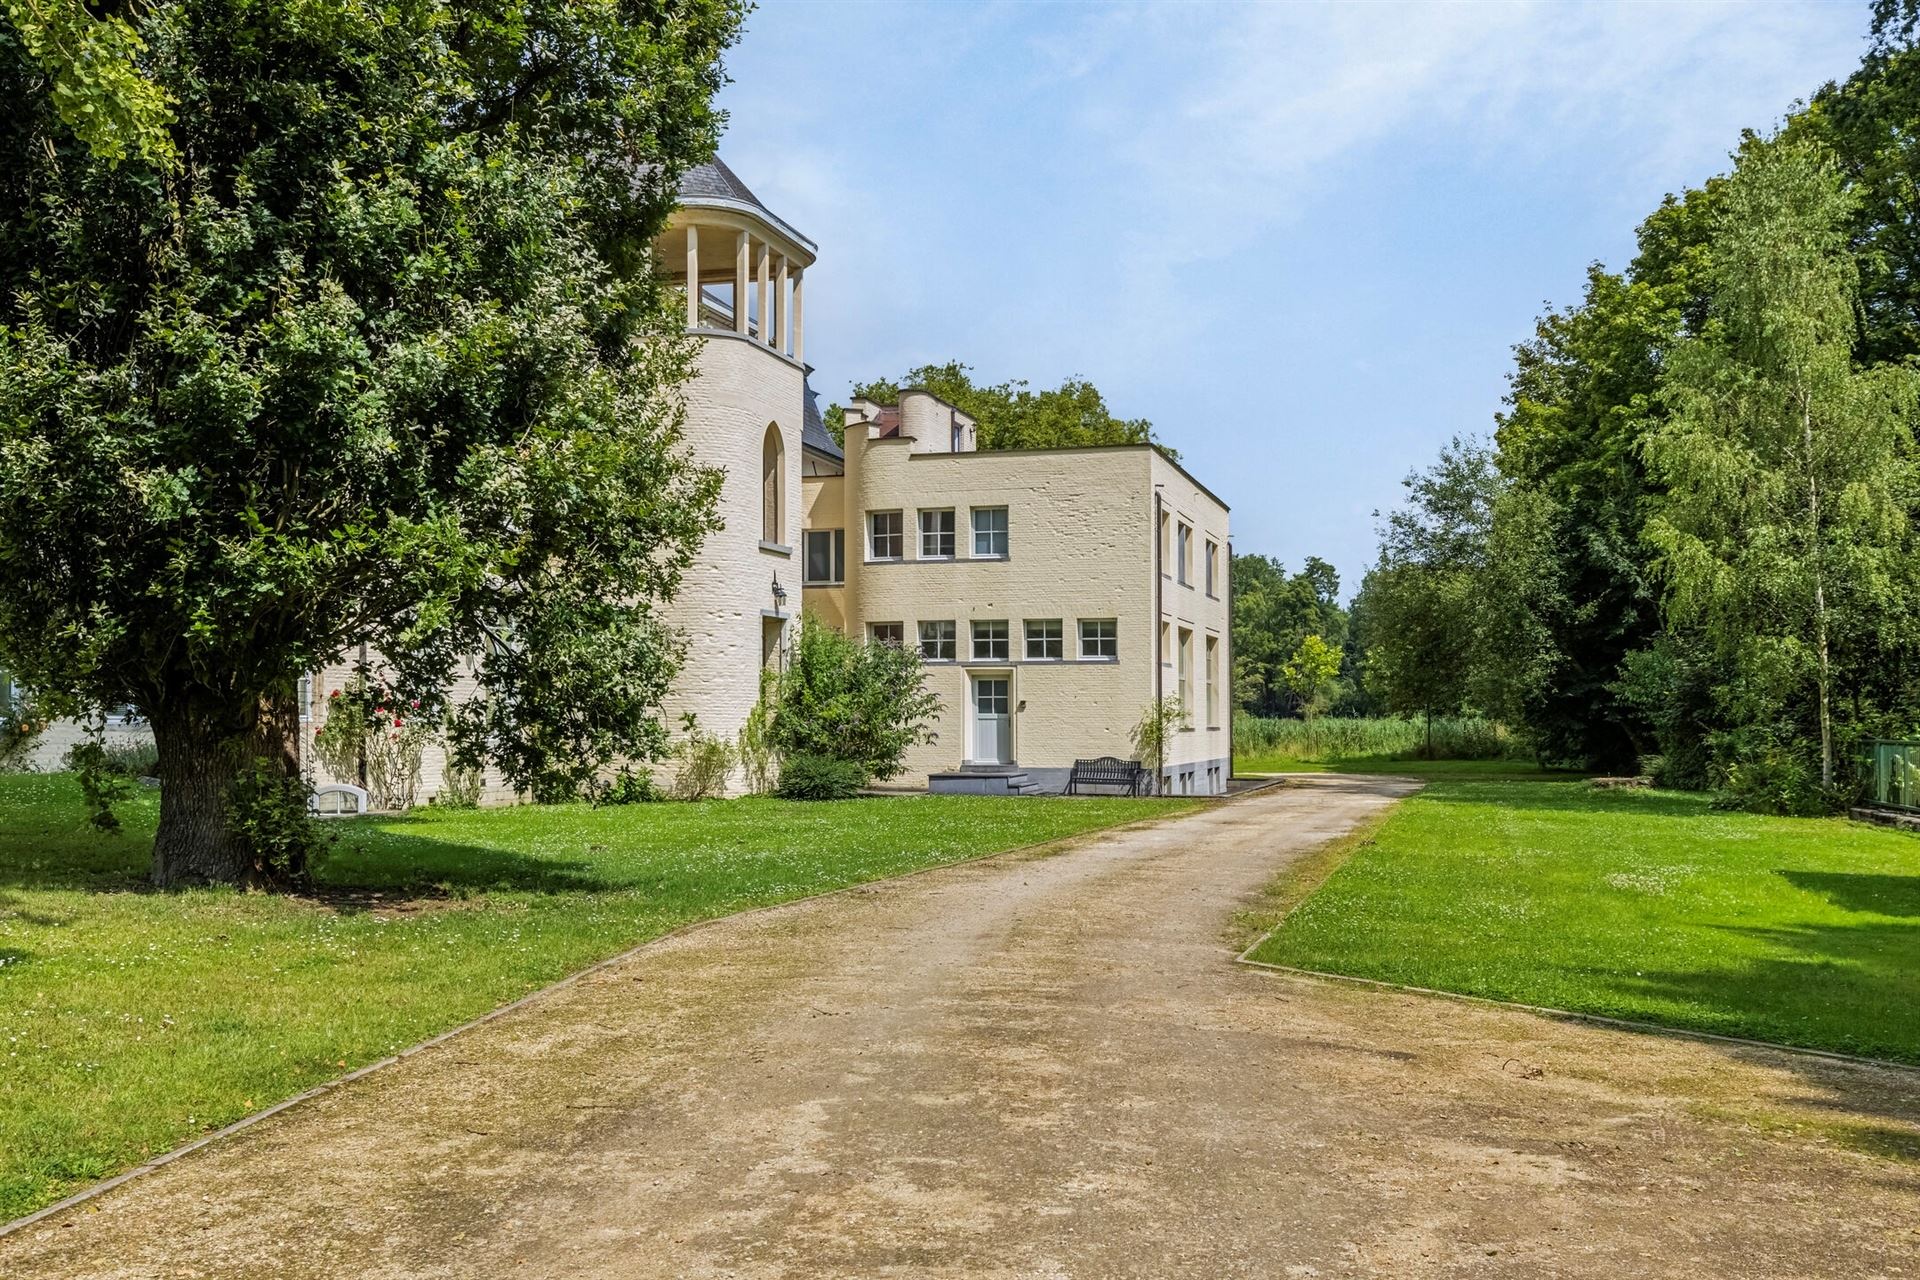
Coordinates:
x,y
1099,638
1213,567
937,641
886,536
1213,682
1184,670
893,633
1044,639
989,533
1183,555
306,696
936,534
826,558
990,641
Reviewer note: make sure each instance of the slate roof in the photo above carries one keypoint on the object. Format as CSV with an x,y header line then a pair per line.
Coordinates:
x,y
715,183
813,429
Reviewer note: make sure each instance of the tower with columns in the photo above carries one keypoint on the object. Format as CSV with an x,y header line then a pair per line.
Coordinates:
x,y
742,271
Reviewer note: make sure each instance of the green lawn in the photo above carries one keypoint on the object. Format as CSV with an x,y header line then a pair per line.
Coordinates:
x,y
132,1021
1635,904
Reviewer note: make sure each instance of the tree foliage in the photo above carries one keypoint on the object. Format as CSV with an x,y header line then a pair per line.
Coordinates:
x,y
1273,612
1011,415
378,361
843,699
1784,527
1698,554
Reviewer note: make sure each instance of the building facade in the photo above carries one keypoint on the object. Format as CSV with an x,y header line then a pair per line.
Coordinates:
x,y
1054,594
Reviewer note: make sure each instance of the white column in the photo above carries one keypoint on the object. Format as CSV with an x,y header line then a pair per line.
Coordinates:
x,y
780,307
741,271
766,255
799,320
693,276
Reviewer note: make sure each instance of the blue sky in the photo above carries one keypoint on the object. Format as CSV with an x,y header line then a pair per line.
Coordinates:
x,y
1301,239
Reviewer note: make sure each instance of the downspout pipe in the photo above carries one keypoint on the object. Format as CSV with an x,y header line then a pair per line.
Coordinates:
x,y
1159,613
1229,647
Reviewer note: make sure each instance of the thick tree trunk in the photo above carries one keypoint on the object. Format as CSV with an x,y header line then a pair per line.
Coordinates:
x,y
199,761
196,843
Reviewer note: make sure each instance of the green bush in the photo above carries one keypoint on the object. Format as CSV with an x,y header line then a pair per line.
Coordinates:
x,y
810,777
629,786
842,699
706,762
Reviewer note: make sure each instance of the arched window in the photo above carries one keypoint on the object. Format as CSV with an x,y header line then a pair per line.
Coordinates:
x,y
773,487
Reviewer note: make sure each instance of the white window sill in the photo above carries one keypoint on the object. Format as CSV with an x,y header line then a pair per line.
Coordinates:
x,y
776,548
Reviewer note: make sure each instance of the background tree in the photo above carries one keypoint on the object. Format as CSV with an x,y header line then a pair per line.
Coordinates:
x,y
1422,597
367,351
1273,611
1784,529
1309,674
1010,414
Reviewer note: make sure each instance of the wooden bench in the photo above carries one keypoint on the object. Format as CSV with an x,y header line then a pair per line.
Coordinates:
x,y
1106,771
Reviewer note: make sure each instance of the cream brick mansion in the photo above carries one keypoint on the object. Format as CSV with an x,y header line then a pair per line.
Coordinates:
x,y
1052,594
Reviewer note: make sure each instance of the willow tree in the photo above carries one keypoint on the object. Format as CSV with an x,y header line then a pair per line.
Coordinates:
x,y
1784,532
348,337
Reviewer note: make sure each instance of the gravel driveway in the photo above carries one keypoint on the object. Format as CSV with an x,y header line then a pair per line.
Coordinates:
x,y
1038,1067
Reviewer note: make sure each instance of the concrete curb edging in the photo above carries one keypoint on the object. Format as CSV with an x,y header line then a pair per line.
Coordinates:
x,y
1599,1019
1058,844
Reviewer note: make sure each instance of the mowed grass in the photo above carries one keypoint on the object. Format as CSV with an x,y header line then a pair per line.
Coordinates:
x,y
1634,904
132,1021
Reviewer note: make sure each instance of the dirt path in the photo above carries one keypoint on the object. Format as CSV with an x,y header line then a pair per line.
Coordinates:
x,y
1044,1068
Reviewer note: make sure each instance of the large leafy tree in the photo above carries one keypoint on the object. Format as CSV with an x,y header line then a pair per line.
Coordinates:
x,y
1422,599
364,350
1011,415
1570,593
1273,612
1784,531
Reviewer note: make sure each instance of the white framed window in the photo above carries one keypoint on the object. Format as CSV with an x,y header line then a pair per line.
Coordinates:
x,y
990,641
773,487
936,534
826,559
1184,670
1099,638
306,696
937,642
1183,555
1044,639
886,538
989,533
1213,567
1213,682
893,633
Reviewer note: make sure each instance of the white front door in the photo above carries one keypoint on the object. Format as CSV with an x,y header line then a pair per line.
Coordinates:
x,y
992,725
